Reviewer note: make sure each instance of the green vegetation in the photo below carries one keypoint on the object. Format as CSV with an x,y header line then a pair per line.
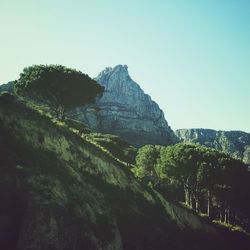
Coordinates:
x,y
146,160
80,127
60,87
206,180
115,145
64,192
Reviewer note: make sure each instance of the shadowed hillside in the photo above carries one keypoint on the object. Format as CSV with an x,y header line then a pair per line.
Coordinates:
x,y
59,191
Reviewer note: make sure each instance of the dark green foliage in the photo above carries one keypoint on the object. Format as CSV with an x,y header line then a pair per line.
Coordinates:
x,y
206,180
60,87
6,98
146,160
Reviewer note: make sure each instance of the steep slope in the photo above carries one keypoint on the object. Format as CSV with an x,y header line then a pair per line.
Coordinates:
x,y
125,110
235,143
58,191
115,145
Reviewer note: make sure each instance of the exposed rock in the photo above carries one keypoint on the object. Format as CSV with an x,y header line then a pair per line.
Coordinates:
x,y
235,143
125,110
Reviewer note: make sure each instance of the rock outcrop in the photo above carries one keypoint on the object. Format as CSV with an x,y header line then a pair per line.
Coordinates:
x,y
235,143
125,110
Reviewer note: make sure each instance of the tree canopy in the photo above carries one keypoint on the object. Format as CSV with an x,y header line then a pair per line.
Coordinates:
x,y
207,180
146,160
61,87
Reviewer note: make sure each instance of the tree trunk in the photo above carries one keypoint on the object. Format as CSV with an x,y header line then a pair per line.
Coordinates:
x,y
220,215
190,200
196,205
228,216
186,196
208,203
225,215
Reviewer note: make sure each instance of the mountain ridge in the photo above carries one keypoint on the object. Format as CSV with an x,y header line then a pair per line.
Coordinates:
x,y
234,142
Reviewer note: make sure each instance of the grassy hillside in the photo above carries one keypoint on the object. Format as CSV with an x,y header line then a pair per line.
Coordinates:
x,y
115,145
58,190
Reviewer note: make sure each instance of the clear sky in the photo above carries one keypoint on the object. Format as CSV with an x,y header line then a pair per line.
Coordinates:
x,y
191,56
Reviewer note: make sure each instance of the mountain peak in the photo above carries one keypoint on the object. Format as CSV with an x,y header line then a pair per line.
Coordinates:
x,y
125,110
116,77
118,71
120,67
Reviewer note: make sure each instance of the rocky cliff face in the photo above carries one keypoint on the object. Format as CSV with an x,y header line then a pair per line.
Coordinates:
x,y
235,143
125,110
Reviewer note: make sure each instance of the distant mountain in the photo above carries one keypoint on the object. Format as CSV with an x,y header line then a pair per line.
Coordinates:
x,y
8,87
235,143
125,110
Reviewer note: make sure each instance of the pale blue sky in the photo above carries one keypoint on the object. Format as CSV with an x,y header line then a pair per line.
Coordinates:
x,y
191,56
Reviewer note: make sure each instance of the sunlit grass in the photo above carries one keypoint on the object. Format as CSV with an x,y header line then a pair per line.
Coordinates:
x,y
44,111
231,227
